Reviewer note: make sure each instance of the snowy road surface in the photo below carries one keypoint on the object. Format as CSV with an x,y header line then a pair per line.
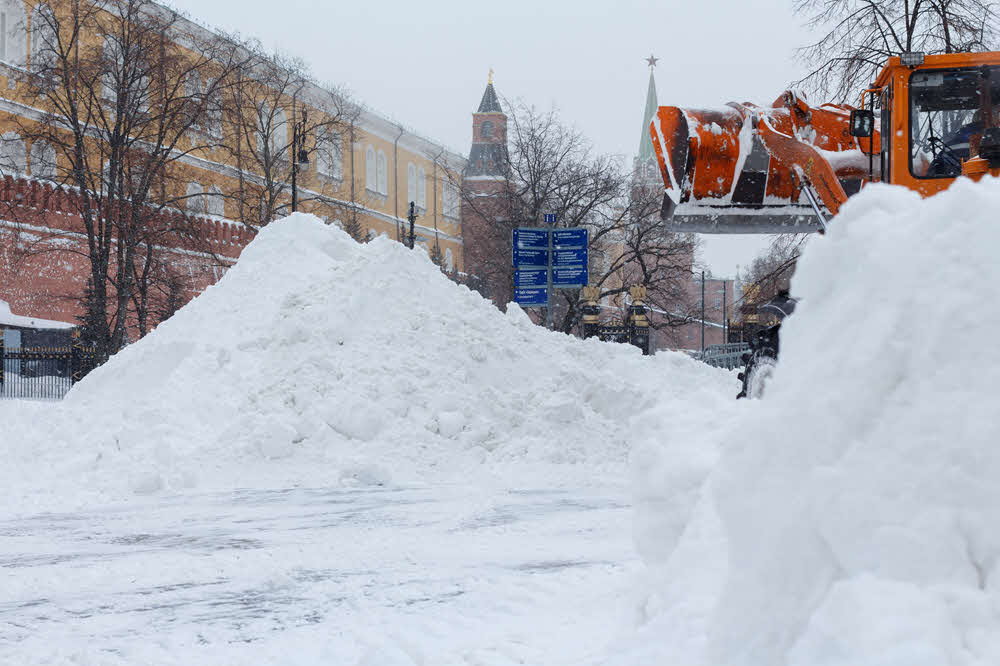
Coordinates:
x,y
438,575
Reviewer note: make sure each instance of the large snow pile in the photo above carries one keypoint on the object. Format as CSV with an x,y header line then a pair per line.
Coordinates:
x,y
852,517
317,360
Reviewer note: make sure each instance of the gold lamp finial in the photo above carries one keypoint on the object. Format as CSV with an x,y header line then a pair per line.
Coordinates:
x,y
491,76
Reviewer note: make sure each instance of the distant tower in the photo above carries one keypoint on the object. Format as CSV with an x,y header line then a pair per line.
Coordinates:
x,y
487,245
489,137
646,169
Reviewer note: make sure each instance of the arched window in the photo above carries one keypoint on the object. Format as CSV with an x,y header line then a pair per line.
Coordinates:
x,y
13,38
371,183
449,260
43,42
43,161
421,188
213,109
279,134
195,202
216,202
193,92
411,183
328,159
486,129
109,79
383,174
451,200
13,156
263,113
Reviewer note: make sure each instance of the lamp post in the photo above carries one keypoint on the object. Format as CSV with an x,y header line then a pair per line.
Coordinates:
x,y
300,156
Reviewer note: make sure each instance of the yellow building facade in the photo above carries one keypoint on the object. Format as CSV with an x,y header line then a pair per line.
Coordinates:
x,y
368,168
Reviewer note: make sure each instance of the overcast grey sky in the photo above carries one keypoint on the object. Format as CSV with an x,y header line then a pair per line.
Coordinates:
x,y
426,63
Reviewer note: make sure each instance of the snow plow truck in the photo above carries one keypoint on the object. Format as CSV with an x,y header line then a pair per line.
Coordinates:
x,y
787,168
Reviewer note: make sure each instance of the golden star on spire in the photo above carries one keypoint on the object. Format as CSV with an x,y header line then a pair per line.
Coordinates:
x,y
651,61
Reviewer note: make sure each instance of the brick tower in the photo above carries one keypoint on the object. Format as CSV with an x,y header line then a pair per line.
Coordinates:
x,y
487,241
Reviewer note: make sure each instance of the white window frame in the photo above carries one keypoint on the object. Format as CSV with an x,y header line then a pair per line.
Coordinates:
x,y
383,173
421,188
13,154
195,202
44,161
371,173
411,183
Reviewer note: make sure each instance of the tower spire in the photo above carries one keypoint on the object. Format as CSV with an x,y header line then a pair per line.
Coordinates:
x,y
649,112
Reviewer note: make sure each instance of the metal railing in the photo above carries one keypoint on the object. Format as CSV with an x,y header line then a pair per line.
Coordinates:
x,y
727,356
42,373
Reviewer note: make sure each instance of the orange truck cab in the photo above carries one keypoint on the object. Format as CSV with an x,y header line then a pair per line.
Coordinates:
x,y
926,121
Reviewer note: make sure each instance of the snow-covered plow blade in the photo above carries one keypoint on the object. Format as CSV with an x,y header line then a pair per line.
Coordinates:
x,y
746,169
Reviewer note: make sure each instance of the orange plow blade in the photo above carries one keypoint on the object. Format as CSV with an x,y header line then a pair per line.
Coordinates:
x,y
742,168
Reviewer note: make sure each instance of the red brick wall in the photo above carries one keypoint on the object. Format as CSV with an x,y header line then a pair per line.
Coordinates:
x,y
43,251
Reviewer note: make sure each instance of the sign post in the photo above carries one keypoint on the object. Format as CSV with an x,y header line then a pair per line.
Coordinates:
x,y
546,259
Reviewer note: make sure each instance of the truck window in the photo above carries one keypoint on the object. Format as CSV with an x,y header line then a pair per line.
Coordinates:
x,y
947,112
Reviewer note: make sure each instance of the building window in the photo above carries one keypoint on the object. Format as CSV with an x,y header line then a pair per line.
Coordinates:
x,y
13,38
272,126
216,202
13,156
328,155
279,134
193,92
383,174
195,201
213,109
370,170
42,36
411,183
486,129
109,79
421,188
451,200
43,161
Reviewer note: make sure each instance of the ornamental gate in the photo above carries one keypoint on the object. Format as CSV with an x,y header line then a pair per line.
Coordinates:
x,y
42,373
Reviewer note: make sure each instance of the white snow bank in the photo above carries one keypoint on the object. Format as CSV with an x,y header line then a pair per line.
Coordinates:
x,y
852,516
8,318
317,360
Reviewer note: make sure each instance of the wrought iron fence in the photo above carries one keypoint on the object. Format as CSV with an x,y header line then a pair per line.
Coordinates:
x,y
725,356
42,373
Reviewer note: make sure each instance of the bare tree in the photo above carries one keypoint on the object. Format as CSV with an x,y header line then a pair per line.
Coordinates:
x,y
551,168
859,35
771,271
119,121
274,96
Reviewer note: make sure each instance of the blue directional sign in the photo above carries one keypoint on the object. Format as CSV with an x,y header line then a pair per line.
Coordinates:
x,y
524,258
570,277
531,277
569,257
564,239
528,239
531,296
550,218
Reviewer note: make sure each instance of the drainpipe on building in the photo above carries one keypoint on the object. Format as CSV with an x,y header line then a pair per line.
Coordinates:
x,y
395,183
437,237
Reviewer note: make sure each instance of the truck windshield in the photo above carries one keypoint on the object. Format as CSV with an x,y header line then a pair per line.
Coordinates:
x,y
949,108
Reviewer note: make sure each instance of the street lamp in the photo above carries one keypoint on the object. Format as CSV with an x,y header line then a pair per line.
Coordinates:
x,y
300,156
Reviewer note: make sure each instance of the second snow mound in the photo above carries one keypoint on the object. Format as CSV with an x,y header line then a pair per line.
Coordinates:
x,y
320,360
852,517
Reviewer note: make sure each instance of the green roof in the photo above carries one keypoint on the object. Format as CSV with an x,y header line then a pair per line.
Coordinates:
x,y
645,141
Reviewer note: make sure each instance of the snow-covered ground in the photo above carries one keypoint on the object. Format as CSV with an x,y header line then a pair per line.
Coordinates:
x,y
336,455
346,458
444,575
851,515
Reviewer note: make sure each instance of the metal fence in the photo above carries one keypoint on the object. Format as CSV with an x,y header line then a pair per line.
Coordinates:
x,y
724,356
42,373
